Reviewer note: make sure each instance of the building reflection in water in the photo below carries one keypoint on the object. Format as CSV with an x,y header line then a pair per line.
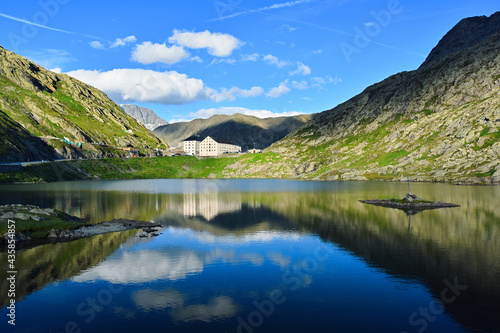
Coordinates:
x,y
209,205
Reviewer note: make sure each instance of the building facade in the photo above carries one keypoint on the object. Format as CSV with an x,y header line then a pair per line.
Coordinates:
x,y
191,145
208,146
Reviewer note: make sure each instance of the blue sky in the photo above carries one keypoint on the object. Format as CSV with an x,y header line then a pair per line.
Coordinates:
x,y
191,59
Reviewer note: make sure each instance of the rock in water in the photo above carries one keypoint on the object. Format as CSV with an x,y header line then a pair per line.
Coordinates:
x,y
412,198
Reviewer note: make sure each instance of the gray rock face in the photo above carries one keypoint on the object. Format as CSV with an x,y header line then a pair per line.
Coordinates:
x,y
145,116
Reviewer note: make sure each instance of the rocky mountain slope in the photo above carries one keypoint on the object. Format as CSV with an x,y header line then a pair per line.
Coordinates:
x,y
440,122
54,106
145,116
16,143
242,130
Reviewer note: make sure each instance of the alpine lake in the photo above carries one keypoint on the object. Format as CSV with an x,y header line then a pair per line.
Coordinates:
x,y
260,256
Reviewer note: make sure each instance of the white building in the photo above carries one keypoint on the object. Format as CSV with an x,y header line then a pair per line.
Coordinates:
x,y
191,145
209,146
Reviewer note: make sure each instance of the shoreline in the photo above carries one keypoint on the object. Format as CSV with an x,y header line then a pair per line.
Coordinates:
x,y
242,167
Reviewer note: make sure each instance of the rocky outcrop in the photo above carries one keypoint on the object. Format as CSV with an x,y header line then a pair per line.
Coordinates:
x,y
145,116
56,106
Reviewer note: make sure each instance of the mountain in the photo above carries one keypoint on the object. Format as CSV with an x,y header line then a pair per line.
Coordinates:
x,y
53,106
145,116
242,130
439,122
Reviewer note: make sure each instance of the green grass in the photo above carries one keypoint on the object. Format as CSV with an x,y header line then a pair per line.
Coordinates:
x,y
116,168
39,229
391,157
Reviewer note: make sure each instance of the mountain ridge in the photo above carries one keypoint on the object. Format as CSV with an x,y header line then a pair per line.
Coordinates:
x,y
245,131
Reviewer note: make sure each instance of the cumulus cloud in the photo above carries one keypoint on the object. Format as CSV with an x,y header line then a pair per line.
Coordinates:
x,y
149,53
206,113
272,60
301,69
123,41
218,44
125,85
279,90
232,93
97,45
170,87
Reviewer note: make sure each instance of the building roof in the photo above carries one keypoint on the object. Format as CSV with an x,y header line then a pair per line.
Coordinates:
x,y
221,140
199,138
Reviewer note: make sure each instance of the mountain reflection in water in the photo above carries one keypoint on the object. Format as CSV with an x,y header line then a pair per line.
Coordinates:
x,y
221,251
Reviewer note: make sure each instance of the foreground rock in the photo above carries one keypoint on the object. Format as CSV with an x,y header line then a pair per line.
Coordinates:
x,y
114,225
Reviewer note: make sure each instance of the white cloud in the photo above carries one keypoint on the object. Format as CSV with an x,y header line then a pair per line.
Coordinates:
x,y
232,93
218,44
279,90
318,51
230,61
218,308
170,87
319,82
124,41
149,53
97,45
179,120
284,4
262,9
272,60
56,70
125,85
206,113
196,59
250,57
148,266
302,85
286,27
301,69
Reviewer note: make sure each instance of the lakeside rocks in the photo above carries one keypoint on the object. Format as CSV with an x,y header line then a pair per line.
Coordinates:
x,y
80,229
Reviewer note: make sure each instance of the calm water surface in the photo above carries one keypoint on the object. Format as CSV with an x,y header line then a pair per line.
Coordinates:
x,y
261,256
